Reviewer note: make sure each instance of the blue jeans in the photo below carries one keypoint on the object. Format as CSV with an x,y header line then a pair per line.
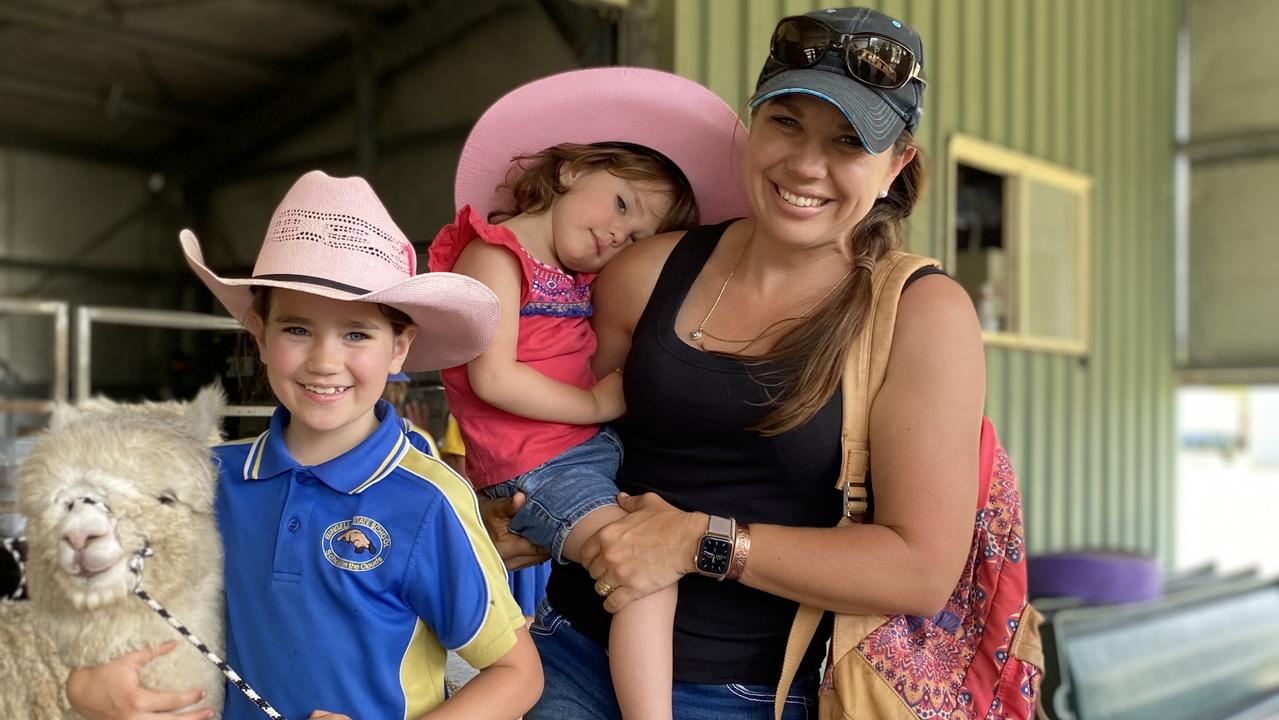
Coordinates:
x,y
563,490
579,687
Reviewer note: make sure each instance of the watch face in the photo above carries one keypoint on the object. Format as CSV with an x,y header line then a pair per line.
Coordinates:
x,y
714,555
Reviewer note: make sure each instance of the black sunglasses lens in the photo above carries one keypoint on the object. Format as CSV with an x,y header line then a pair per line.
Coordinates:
x,y
800,41
879,61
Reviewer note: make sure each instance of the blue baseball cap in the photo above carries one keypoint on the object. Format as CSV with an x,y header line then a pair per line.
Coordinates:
x,y
878,115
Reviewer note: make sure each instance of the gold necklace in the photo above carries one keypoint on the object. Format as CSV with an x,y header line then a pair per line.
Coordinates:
x,y
700,330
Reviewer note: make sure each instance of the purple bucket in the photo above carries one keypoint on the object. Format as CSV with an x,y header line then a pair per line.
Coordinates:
x,y
1098,577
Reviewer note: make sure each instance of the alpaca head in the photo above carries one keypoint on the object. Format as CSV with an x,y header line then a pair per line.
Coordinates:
x,y
108,479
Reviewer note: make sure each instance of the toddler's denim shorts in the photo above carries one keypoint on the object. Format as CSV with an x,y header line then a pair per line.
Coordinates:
x,y
563,490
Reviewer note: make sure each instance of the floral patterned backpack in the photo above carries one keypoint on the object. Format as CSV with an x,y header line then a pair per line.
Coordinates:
x,y
980,658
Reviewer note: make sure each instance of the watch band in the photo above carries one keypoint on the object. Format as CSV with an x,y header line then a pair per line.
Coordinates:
x,y
720,526
741,548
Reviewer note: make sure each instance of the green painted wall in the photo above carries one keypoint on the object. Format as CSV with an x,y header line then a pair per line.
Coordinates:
x,y
1087,84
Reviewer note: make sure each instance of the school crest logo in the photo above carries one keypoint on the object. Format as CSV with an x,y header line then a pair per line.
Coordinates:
x,y
358,544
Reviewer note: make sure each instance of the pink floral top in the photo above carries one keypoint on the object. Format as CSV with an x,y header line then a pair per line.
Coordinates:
x,y
555,338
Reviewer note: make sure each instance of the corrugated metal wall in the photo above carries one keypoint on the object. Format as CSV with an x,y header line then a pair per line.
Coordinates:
x,y
1088,84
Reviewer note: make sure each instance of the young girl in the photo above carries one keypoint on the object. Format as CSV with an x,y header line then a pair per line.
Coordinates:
x,y
353,560
621,154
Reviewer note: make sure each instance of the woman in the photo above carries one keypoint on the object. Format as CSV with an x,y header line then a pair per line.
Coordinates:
x,y
732,339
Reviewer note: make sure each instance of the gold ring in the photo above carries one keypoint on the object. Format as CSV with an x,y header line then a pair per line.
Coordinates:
x,y
603,589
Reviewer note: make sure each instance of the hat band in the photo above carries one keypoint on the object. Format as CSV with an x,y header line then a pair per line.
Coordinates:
x,y
312,280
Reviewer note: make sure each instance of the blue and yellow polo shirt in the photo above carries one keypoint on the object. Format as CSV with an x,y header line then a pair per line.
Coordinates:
x,y
346,581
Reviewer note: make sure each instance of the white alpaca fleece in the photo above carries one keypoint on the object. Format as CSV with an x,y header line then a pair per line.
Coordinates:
x,y
103,481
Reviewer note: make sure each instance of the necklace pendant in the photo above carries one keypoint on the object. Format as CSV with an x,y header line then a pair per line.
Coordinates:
x,y
695,335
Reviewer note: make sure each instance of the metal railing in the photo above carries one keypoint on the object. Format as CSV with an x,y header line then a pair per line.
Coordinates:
x,y
168,319
58,385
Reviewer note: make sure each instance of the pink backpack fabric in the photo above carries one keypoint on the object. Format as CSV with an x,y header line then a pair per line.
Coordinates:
x,y
980,658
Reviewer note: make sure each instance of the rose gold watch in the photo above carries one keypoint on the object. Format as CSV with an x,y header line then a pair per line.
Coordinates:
x,y
715,549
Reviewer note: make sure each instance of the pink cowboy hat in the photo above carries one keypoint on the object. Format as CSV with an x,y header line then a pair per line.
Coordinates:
x,y
677,117
332,237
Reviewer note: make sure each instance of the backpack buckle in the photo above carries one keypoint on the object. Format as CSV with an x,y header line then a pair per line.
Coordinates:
x,y
857,502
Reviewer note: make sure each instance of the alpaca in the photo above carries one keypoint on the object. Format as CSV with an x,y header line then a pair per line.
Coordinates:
x,y
104,481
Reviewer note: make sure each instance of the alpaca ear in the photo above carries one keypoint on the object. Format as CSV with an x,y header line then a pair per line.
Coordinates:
x,y
63,414
202,419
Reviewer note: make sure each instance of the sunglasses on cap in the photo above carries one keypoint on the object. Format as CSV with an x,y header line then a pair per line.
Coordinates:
x,y
871,59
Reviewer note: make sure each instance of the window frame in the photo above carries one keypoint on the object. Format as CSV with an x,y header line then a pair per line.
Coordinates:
x,y
1019,170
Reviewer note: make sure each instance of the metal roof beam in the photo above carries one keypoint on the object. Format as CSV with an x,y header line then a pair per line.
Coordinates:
x,y
44,17
129,276
112,104
1231,147
343,10
348,157
24,139
405,42
346,11
586,27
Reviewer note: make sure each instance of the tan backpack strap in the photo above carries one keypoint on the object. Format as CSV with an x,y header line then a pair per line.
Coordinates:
x,y
864,371
801,634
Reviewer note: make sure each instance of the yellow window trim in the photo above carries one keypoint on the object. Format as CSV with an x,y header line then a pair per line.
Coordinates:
x,y
1021,170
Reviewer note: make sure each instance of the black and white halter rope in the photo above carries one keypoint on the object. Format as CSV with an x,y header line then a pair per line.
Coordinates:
x,y
11,546
135,566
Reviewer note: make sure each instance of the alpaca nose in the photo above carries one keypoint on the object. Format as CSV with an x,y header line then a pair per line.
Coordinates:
x,y
84,524
80,539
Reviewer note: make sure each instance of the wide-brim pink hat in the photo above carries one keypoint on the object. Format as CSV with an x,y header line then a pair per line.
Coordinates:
x,y
675,116
332,237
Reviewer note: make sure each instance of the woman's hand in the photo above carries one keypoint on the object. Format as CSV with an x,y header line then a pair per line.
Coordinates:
x,y
514,550
114,691
649,550
327,715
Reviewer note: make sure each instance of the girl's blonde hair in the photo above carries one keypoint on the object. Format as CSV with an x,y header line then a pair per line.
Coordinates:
x,y
806,365
536,180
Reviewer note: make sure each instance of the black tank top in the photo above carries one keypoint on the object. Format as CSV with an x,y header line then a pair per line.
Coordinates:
x,y
686,438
